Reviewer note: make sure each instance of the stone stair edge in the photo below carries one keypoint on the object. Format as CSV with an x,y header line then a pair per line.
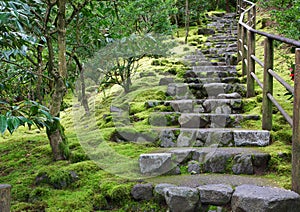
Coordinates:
x,y
244,197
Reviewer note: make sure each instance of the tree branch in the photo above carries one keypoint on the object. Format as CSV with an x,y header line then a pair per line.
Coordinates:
x,y
76,10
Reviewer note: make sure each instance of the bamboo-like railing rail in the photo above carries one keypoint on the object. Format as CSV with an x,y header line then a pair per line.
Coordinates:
x,y
246,54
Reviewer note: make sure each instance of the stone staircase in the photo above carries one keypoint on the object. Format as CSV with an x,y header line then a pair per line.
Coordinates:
x,y
201,135
202,126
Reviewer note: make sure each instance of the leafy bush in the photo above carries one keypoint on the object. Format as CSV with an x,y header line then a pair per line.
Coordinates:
x,y
287,16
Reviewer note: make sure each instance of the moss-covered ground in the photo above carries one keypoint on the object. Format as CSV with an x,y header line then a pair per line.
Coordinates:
x,y
81,184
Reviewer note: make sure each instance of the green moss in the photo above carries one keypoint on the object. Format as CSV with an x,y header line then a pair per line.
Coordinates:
x,y
136,107
184,169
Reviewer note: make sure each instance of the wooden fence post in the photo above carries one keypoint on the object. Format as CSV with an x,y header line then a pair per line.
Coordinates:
x,y
244,51
254,17
249,18
5,197
268,85
251,64
296,127
239,57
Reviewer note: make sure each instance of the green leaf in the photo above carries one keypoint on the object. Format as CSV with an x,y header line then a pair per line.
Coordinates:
x,y
24,120
3,124
12,124
45,113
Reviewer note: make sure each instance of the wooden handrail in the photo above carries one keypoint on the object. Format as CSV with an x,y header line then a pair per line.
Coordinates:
x,y
246,54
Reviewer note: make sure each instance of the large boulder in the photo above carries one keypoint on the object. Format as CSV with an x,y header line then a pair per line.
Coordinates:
x,y
182,199
264,199
215,194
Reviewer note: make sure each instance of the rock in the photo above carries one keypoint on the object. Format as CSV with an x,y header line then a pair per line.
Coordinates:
x,y
215,194
251,138
182,199
171,91
186,138
206,31
194,167
264,199
184,106
178,90
114,109
181,155
65,179
214,89
229,96
142,191
159,192
221,120
160,188
156,163
175,171
123,135
217,162
242,164
224,109
167,138
221,138
166,81
231,59
147,74
198,109
192,121
150,104
260,162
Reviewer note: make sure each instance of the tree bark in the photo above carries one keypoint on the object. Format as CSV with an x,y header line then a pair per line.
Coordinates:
x,y
227,6
55,132
40,71
5,197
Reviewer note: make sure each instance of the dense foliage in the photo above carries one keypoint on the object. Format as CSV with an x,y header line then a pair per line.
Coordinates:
x,y
44,45
287,16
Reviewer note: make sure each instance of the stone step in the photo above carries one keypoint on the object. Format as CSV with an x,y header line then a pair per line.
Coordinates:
x,y
230,69
199,105
195,180
221,37
203,91
196,63
205,160
195,57
212,80
217,45
200,120
219,51
217,137
185,193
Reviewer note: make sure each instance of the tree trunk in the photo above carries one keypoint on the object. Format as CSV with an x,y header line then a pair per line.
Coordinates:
x,y
5,197
84,100
227,6
39,94
187,21
55,132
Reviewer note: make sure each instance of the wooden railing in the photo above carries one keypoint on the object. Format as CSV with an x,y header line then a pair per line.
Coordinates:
x,y
246,54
